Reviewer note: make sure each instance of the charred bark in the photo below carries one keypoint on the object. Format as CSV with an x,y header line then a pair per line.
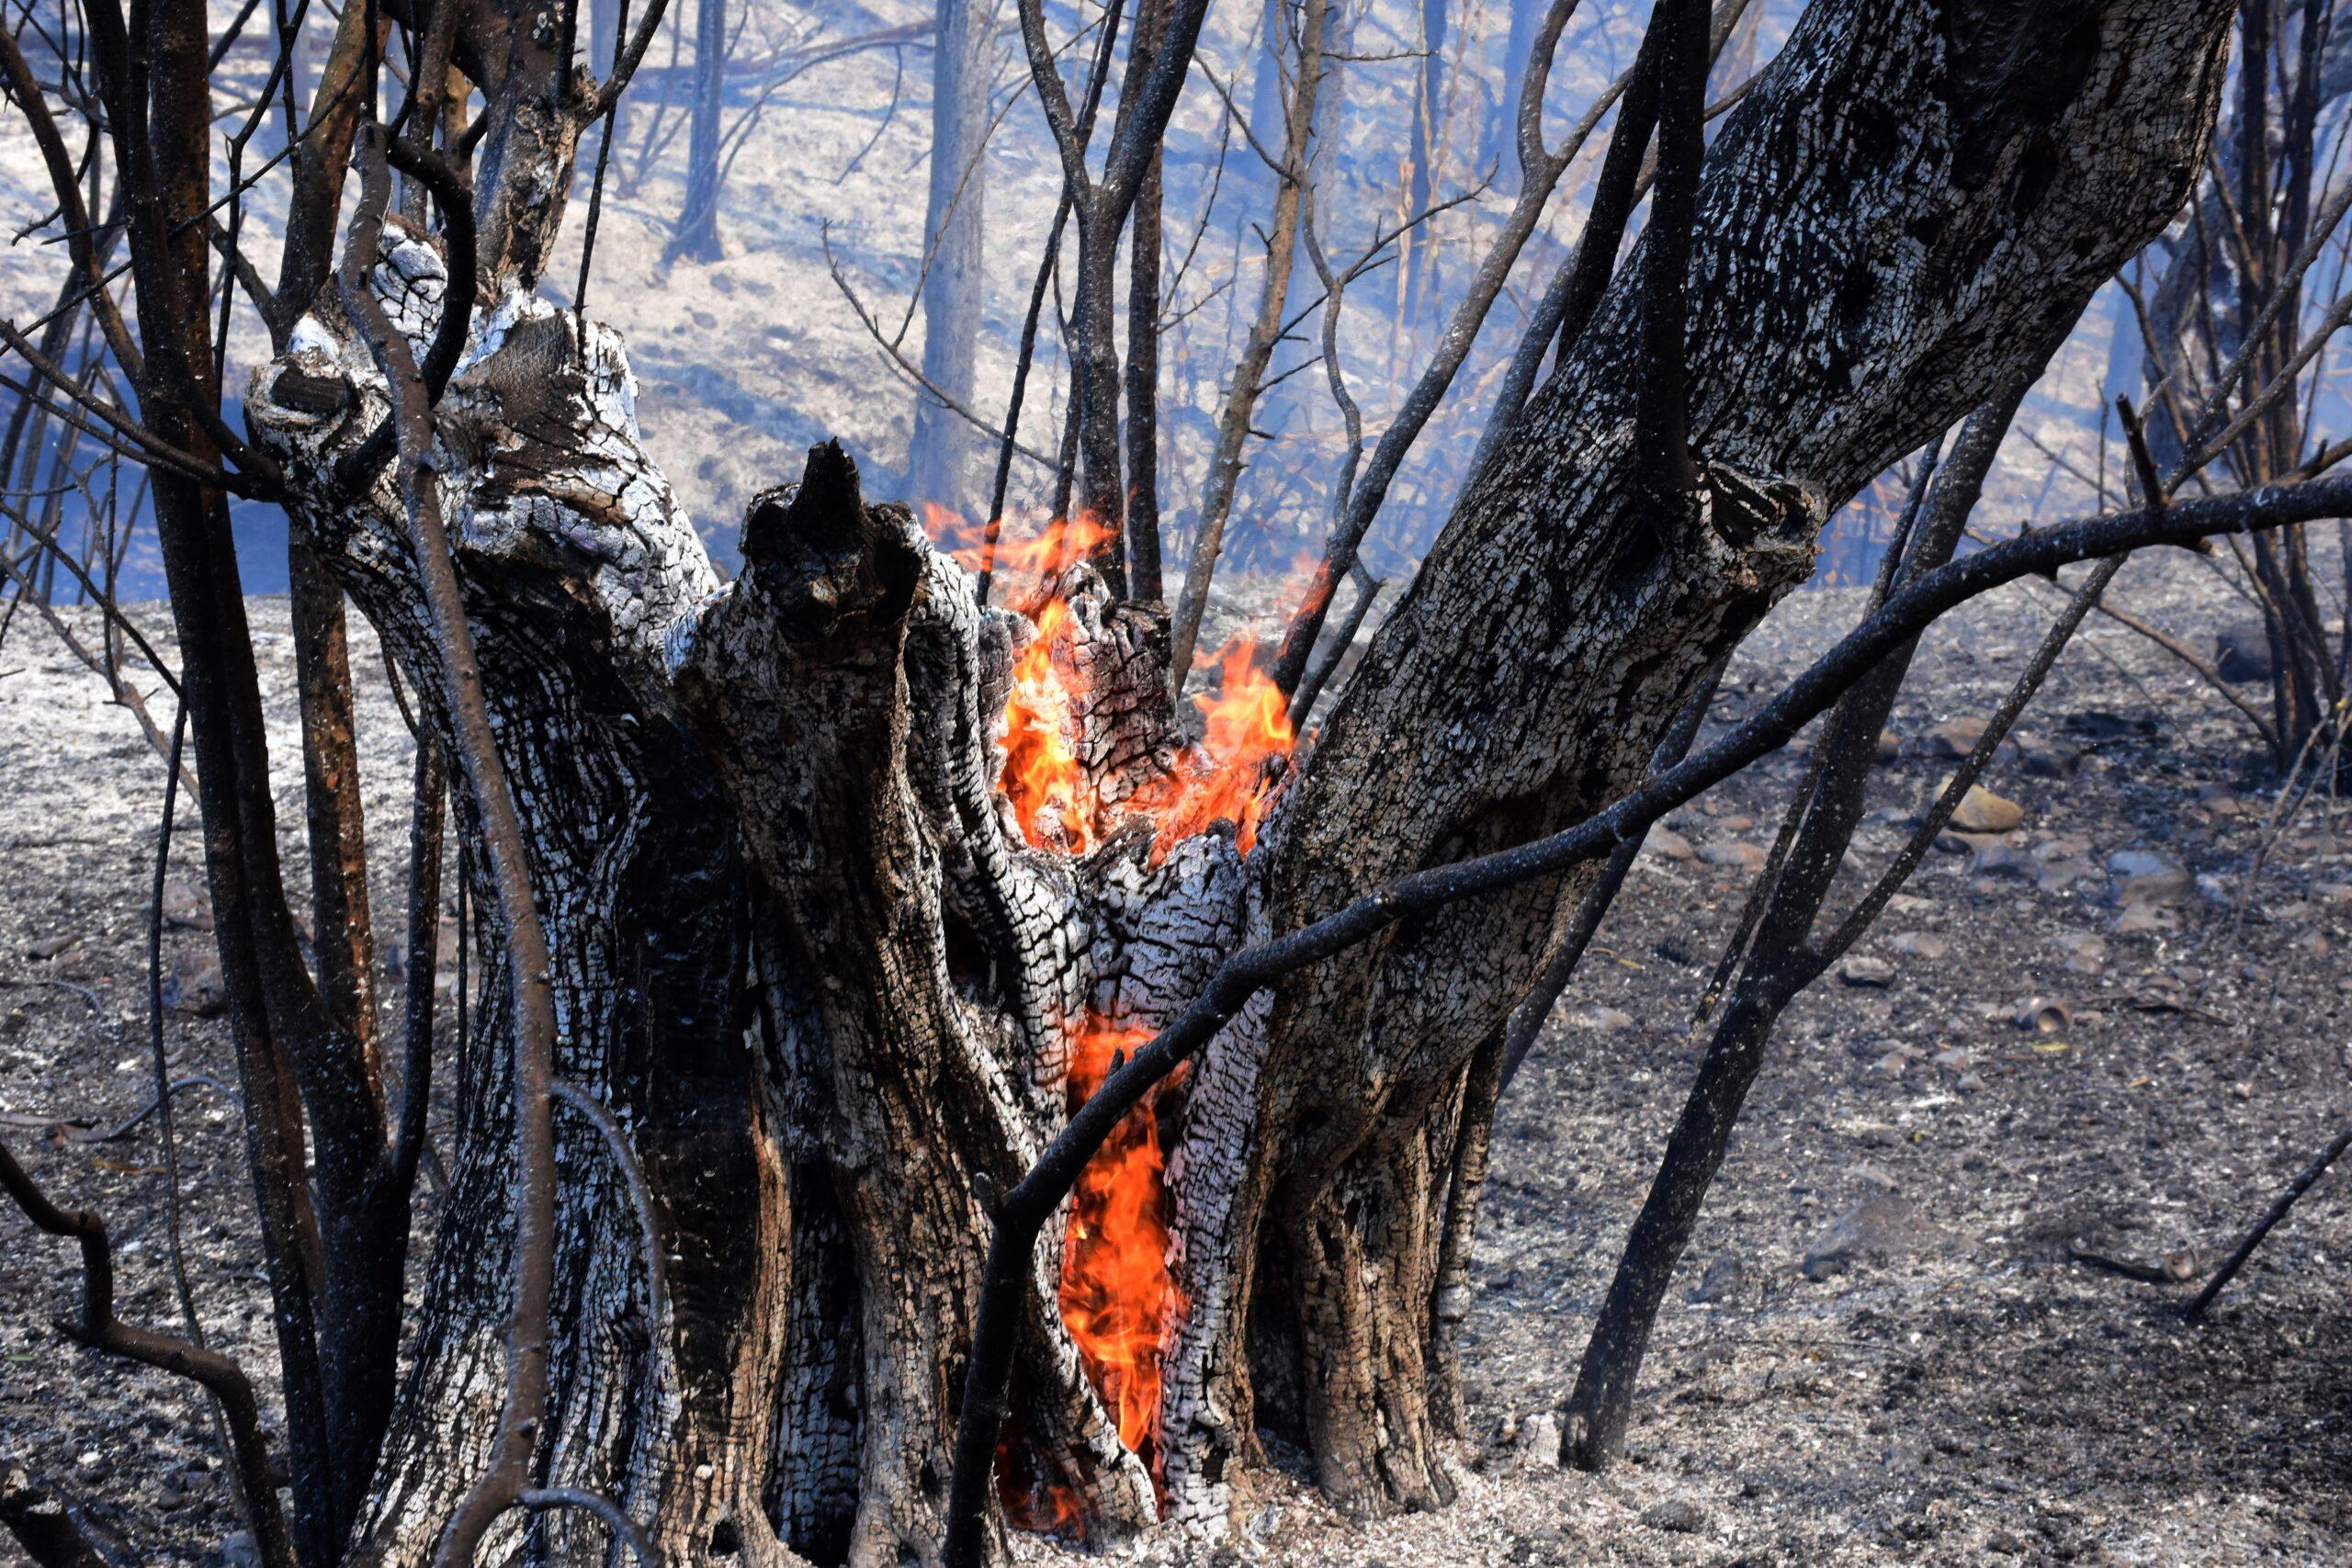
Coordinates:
x,y
1955,183
834,980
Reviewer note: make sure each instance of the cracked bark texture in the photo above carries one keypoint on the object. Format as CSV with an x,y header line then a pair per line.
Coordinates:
x,y
575,560
1913,199
811,959
801,949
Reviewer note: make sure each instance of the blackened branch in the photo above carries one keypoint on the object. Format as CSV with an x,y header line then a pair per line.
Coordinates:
x,y
98,1328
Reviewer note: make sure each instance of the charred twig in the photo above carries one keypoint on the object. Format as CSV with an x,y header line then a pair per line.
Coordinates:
x,y
48,541
908,368
426,823
25,88
1084,129
130,1123
2268,1221
1973,459
1541,170
152,448
640,1195
124,693
1266,330
1972,768
100,1329
539,1499
358,469
2196,661
508,1474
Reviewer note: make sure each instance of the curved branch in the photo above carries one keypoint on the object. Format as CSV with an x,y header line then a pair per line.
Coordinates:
x,y
73,212
508,1474
640,1195
609,95
100,1329
625,1530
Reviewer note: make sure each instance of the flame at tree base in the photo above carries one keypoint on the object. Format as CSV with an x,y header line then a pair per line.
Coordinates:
x,y
1117,1294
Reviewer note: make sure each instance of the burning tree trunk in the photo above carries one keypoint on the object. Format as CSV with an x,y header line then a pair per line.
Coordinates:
x,y
850,883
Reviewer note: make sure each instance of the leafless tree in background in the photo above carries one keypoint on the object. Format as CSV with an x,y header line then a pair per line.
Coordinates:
x,y
696,238
944,454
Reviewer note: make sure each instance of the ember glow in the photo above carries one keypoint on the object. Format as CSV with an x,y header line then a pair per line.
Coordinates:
x,y
1117,1295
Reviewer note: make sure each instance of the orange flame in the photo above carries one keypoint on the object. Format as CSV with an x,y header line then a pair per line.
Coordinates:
x,y
1246,735
1041,1504
1025,558
1117,1296
1052,797
1246,727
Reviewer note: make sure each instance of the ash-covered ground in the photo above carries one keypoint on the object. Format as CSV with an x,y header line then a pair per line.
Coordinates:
x,y
1954,1386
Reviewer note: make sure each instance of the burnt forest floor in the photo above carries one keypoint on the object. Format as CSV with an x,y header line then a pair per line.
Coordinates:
x,y
1954,1388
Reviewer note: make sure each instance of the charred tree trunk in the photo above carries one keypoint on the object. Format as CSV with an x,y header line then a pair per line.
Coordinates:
x,y
1143,340
1955,182
836,970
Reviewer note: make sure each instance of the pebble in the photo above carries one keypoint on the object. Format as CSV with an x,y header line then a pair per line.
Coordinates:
x,y
2242,654
1952,738
194,985
1539,1442
1721,1280
185,905
1734,853
1982,811
2145,877
2086,952
1992,856
2051,762
1880,1227
2057,875
1866,971
1665,841
1678,1515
